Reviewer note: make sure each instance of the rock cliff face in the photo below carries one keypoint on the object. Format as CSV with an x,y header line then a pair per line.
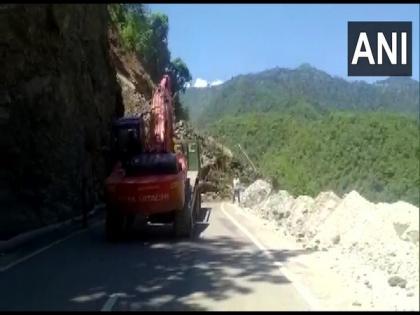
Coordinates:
x,y
58,96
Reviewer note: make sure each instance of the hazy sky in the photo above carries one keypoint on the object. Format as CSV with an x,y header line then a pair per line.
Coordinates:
x,y
219,41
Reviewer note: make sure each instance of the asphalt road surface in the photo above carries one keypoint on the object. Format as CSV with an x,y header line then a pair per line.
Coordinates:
x,y
223,267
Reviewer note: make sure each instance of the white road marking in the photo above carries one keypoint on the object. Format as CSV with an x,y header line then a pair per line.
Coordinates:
x,y
303,291
109,304
20,260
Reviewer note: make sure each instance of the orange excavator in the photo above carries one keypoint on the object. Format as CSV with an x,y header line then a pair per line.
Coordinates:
x,y
153,177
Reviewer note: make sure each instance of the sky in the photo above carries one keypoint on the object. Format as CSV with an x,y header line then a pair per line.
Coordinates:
x,y
220,41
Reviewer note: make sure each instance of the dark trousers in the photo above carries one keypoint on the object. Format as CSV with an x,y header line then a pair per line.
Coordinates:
x,y
236,193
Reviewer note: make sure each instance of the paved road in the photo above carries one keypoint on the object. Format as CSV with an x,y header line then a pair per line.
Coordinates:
x,y
221,268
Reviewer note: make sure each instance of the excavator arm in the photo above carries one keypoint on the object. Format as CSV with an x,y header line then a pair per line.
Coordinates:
x,y
162,119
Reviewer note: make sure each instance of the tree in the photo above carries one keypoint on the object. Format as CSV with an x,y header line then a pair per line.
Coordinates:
x,y
158,58
145,34
130,32
139,9
180,75
132,24
117,13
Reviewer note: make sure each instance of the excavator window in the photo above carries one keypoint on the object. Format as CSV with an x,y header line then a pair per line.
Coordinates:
x,y
127,142
193,156
190,150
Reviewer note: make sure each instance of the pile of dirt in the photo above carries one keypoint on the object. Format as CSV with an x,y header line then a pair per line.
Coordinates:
x,y
377,245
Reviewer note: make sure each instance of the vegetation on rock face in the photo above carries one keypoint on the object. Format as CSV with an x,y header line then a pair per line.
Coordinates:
x,y
376,154
146,34
180,75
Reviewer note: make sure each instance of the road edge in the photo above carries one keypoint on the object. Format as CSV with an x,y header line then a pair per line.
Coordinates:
x,y
23,238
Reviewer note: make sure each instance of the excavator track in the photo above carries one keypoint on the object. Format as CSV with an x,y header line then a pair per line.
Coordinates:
x,y
183,223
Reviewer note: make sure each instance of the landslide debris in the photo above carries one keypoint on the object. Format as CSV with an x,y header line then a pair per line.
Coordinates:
x,y
376,245
218,163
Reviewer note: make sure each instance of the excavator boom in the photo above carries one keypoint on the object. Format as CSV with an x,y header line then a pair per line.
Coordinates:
x,y
162,130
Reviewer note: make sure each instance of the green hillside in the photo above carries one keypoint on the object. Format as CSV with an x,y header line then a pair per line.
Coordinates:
x,y
279,88
376,154
311,132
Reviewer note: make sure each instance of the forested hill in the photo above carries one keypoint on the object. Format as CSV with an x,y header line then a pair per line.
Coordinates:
x,y
376,154
311,132
281,89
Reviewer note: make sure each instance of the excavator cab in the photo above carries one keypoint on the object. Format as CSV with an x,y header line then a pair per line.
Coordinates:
x,y
128,135
129,149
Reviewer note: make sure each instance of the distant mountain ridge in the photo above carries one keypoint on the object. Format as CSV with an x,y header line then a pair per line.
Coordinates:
x,y
280,89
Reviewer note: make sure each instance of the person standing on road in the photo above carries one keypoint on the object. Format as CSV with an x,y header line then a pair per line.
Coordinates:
x,y
236,189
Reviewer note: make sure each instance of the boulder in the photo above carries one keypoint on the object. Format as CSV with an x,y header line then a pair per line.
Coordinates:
x,y
255,193
275,207
397,281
